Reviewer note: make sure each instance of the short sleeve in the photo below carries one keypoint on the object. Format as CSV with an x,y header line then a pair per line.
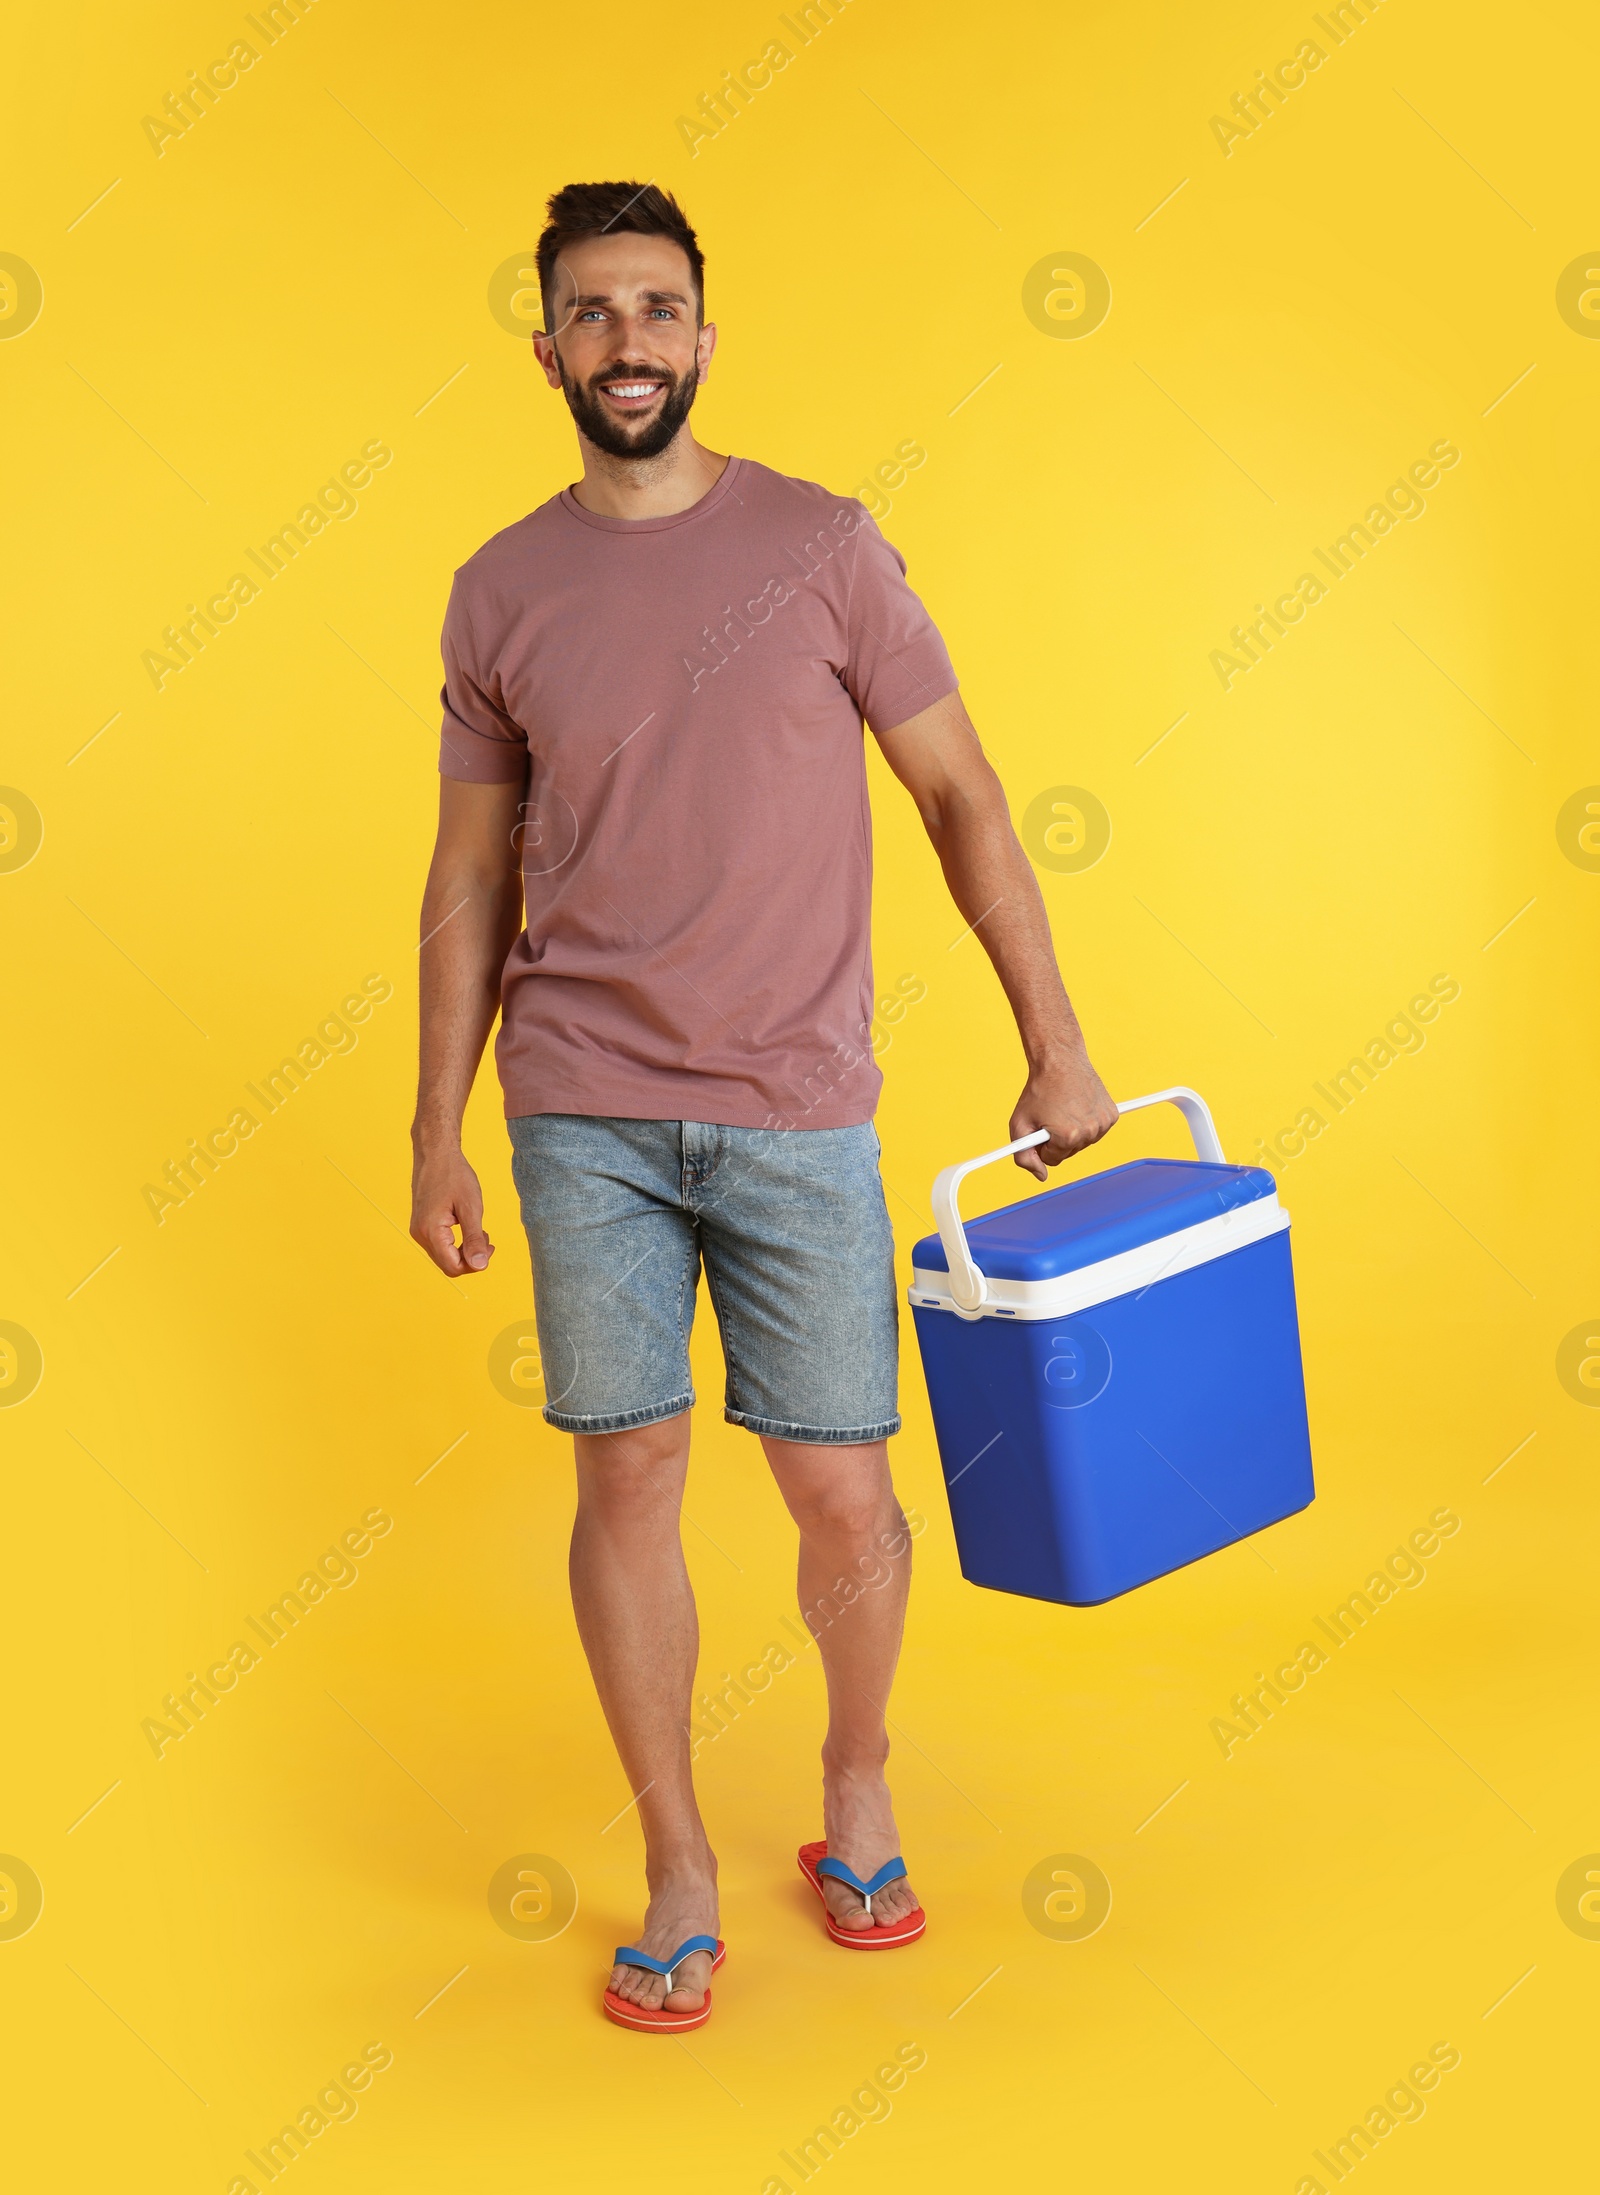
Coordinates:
x,y
479,742
898,664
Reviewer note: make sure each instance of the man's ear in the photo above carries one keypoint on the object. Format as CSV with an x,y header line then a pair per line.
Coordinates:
x,y
544,350
705,344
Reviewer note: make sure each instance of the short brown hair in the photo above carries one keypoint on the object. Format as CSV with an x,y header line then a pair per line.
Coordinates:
x,y
579,210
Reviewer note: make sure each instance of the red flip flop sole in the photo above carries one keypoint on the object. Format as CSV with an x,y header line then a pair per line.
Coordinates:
x,y
878,1939
658,2023
858,1939
653,2023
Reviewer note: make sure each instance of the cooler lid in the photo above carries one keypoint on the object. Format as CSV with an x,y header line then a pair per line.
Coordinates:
x,y
1084,1221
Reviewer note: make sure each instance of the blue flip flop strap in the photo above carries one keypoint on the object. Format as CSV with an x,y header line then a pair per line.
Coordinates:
x,y
891,1871
627,1956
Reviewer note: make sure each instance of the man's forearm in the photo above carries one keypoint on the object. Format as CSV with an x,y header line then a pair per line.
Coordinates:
x,y
469,924
992,882
937,757
471,911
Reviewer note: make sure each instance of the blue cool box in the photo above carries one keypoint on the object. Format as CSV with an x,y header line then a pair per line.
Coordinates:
x,y
1114,1368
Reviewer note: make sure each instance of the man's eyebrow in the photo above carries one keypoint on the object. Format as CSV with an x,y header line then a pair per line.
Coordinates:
x,y
650,297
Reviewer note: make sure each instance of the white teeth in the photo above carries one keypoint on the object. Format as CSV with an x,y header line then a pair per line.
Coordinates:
x,y
632,388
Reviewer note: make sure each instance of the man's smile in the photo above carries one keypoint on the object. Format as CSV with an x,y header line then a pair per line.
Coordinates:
x,y
631,396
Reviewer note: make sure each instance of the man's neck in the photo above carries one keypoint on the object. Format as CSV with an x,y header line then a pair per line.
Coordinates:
x,y
647,487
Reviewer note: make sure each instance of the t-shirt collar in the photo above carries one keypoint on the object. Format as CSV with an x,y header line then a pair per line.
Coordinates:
x,y
704,508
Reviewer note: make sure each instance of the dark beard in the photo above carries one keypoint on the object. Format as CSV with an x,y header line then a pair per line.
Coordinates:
x,y
609,433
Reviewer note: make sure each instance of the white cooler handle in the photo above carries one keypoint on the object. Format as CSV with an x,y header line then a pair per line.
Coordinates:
x,y
967,1283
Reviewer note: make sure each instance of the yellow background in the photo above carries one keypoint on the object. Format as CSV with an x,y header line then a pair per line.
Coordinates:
x,y
1369,808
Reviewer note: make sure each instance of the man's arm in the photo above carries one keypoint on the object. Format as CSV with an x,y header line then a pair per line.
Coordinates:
x,y
471,913
937,758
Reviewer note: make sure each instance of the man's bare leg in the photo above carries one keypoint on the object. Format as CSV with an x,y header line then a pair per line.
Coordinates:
x,y
855,1572
636,1617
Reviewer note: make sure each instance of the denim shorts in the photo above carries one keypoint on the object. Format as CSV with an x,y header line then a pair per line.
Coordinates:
x,y
793,1232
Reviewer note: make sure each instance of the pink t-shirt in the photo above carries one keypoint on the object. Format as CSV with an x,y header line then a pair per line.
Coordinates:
x,y
683,698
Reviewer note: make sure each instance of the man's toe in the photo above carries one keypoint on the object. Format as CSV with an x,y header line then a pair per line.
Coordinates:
x,y
689,1994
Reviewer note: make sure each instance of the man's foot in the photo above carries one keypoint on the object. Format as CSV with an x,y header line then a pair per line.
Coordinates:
x,y
858,1823
684,1905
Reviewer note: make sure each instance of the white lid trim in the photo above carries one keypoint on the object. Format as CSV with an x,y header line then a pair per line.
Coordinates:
x,y
1107,1277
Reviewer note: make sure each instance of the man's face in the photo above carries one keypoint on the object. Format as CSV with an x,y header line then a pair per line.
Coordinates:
x,y
625,348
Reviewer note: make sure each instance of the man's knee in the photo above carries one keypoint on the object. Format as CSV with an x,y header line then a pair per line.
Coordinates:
x,y
634,1469
858,1507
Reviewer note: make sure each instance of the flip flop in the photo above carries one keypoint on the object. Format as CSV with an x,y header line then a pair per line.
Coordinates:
x,y
814,1863
660,2021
